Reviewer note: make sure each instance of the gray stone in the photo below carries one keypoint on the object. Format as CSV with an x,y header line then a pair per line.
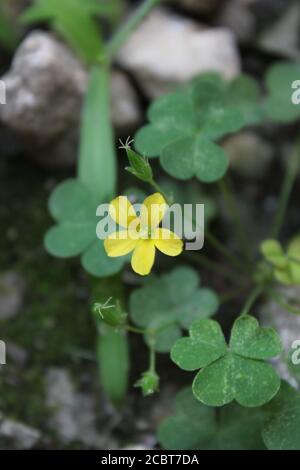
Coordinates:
x,y
167,50
73,414
250,155
126,110
283,36
239,19
45,89
288,327
12,290
20,435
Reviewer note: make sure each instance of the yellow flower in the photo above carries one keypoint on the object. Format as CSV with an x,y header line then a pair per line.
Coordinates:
x,y
141,234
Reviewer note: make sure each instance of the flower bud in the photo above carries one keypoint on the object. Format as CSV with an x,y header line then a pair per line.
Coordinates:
x,y
149,383
139,166
112,315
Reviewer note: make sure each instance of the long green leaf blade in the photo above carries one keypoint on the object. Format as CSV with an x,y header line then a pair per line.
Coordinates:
x,y
97,160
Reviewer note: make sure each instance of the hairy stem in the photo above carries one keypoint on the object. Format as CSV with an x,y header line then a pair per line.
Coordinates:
x,y
254,294
157,188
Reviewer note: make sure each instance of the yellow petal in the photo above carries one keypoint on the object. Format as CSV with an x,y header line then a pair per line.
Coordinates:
x,y
143,257
119,244
121,211
167,242
153,210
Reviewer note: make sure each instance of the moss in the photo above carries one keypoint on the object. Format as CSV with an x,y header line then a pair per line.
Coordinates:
x,y
55,323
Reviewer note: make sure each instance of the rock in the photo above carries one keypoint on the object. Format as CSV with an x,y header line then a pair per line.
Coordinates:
x,y
167,50
45,89
126,110
19,435
136,447
282,37
12,290
237,17
61,399
249,154
287,326
73,417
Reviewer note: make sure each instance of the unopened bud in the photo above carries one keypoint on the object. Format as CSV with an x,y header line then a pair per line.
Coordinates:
x,y
112,315
149,383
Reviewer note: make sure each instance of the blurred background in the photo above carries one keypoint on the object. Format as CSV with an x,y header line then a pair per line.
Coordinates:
x,y
50,395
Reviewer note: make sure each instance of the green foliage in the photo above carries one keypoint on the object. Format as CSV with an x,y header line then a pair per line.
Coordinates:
x,y
113,360
73,207
74,20
97,158
194,426
286,266
112,341
184,125
166,304
282,427
73,204
8,34
237,371
279,80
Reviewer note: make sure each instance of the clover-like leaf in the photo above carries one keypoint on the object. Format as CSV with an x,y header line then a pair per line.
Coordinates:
x,y
237,371
286,264
166,304
282,427
74,209
273,252
194,426
279,81
243,92
184,125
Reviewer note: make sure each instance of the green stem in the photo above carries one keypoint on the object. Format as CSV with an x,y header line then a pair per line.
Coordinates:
x,y
133,22
157,188
219,246
286,189
213,266
254,294
230,201
152,358
132,329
